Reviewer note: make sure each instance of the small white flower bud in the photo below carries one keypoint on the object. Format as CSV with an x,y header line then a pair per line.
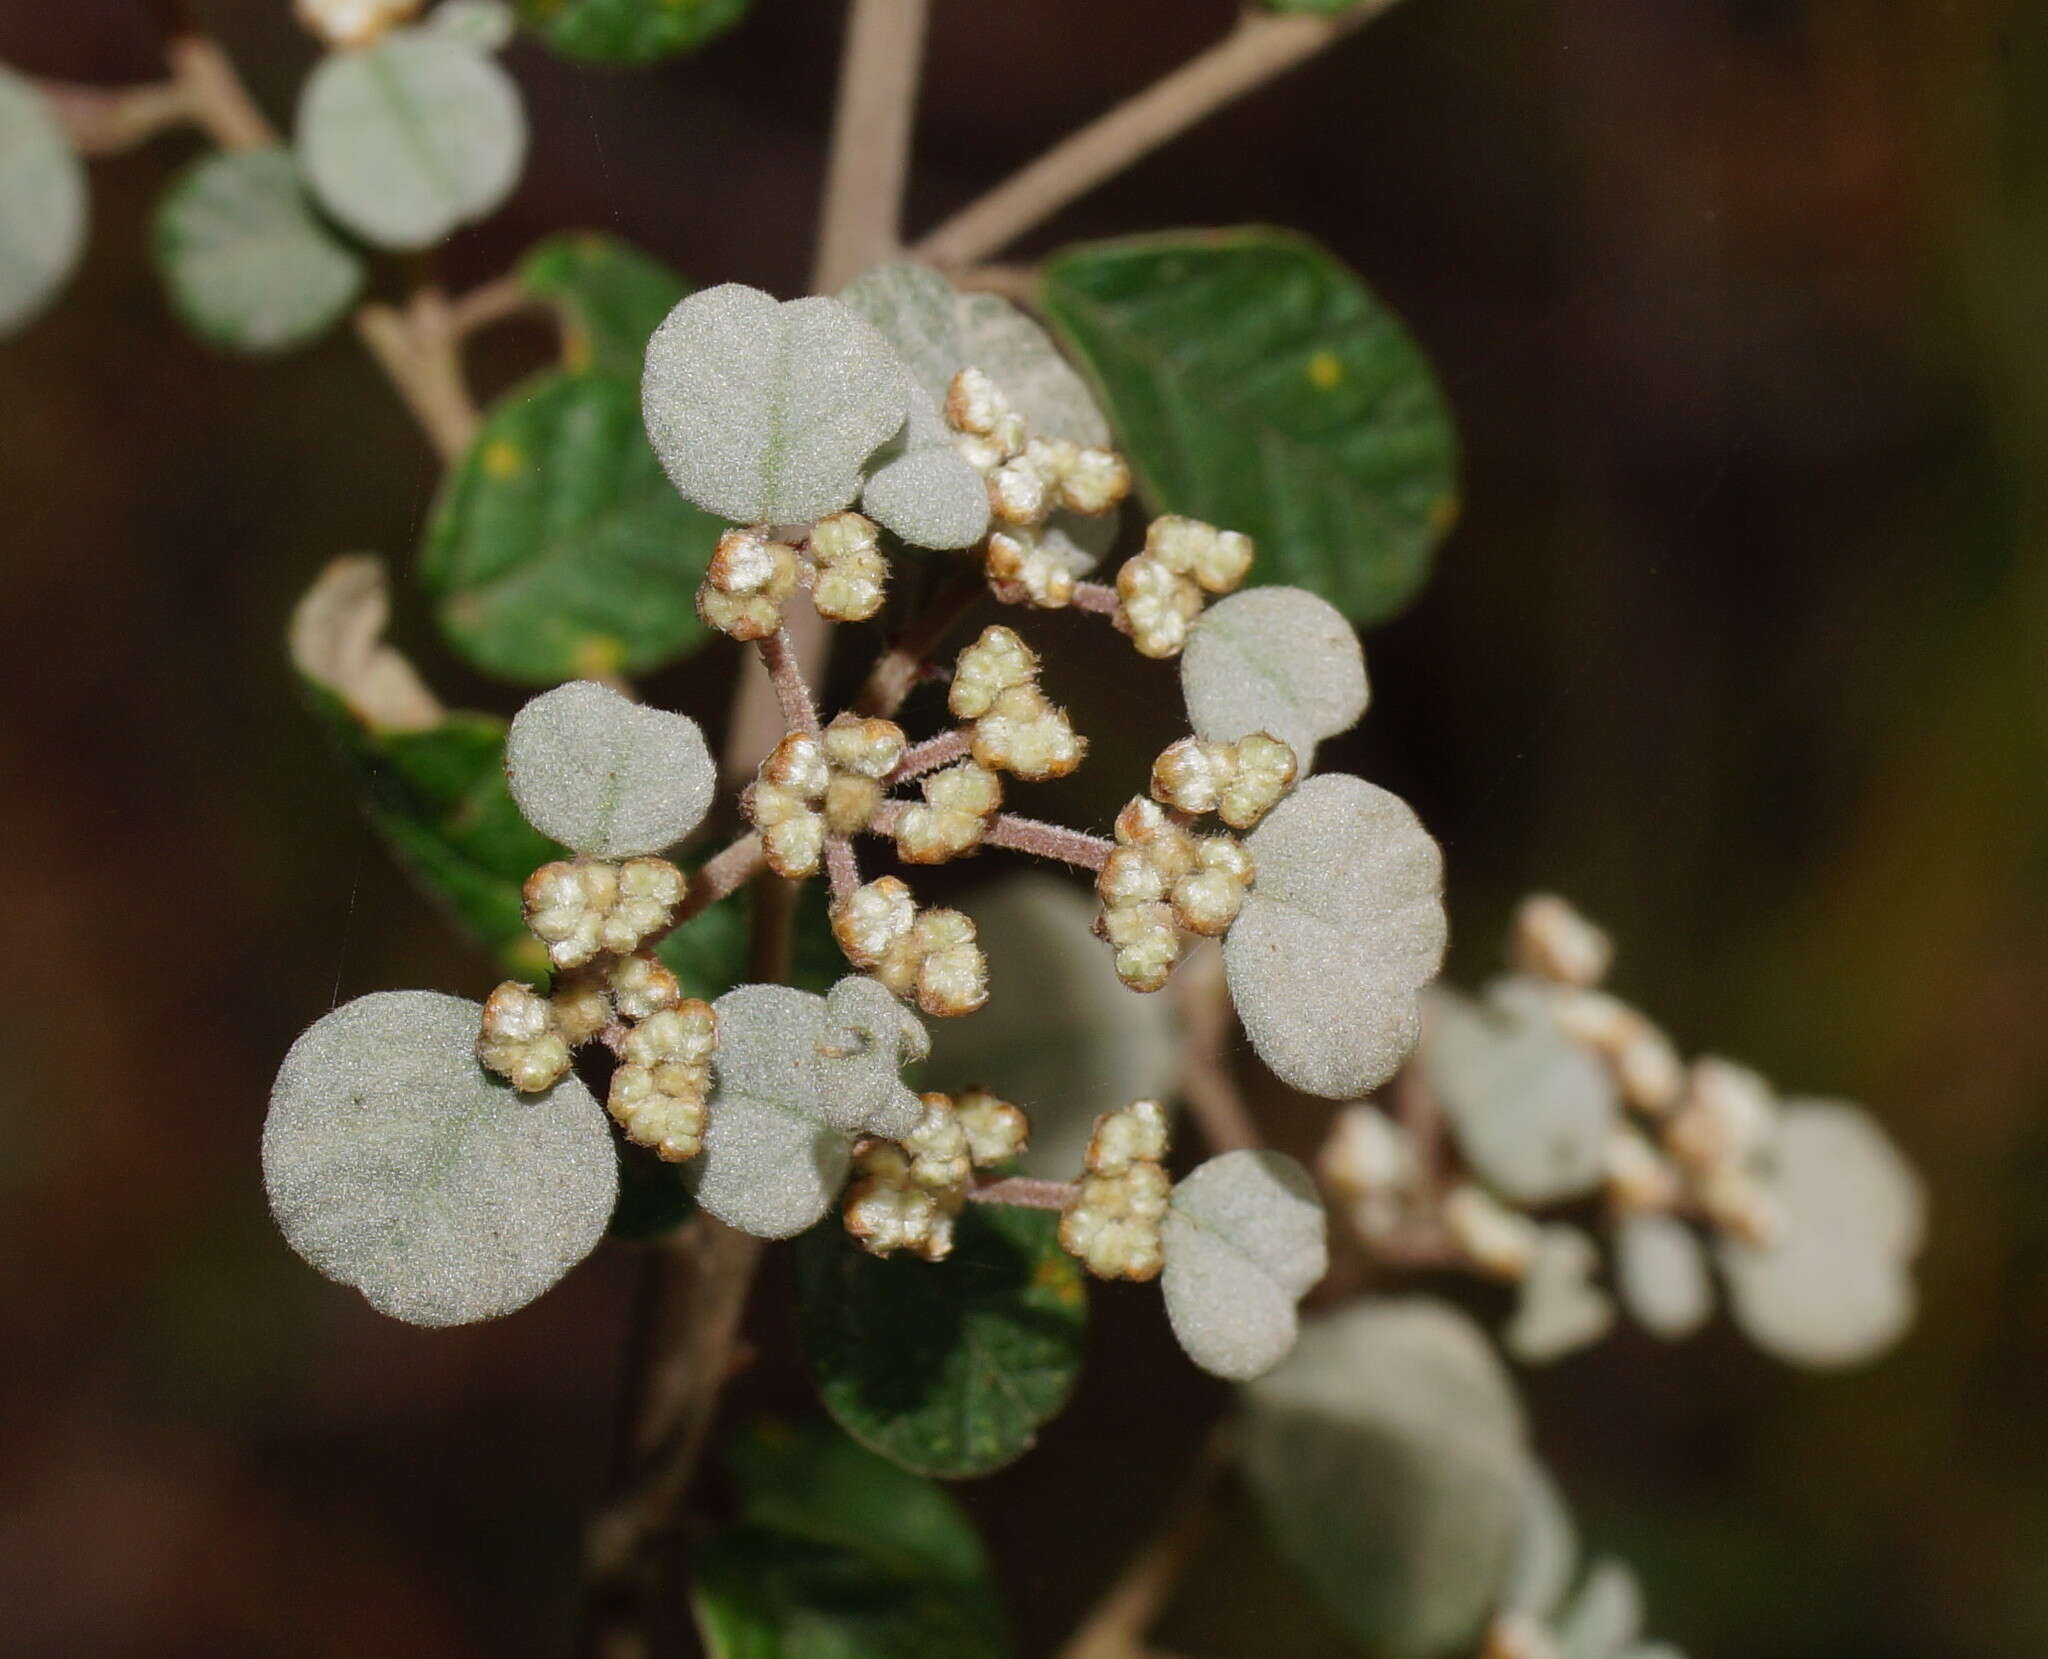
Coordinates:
x,y
659,1090
976,405
872,920
583,1005
959,804
1218,560
1639,1178
940,1158
1023,571
861,753
1133,1134
746,584
1127,878
1094,481
887,1210
1189,774
929,956
1265,769
1553,941
952,973
353,24
851,575
642,986
1019,493
579,908
1112,1224
995,663
784,804
518,1039
1641,1057
1494,1238
1028,736
1208,899
1727,1117
996,1131
1369,1163
1146,941
1156,606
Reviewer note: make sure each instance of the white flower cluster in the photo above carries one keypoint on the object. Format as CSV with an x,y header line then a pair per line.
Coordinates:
x,y
1164,588
1112,1224
586,907
1240,782
813,786
752,575
1017,728
1159,879
906,1193
959,804
1029,479
663,1080
353,24
927,956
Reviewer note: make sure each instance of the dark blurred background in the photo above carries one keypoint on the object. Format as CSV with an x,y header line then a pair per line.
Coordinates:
x,y
1742,641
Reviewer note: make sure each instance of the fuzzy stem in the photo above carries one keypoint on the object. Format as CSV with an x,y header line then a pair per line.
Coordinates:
x,y
792,689
842,867
724,873
1024,1192
898,669
1205,1082
1262,46
930,755
861,221
1098,598
1043,840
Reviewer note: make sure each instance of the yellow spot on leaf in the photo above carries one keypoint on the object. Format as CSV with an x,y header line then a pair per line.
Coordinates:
x,y
1057,1275
503,460
598,656
1325,372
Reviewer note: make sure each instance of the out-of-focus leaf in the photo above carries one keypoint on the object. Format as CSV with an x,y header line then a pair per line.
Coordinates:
x,y
1660,1269
1561,1310
611,295
837,1554
481,25
1244,1240
43,201
1257,384
949,1368
628,32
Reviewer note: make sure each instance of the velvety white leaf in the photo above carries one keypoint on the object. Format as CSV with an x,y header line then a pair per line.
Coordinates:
x,y
939,331
606,775
1533,1110
1832,1288
1561,1309
481,25
765,412
411,138
1343,927
1660,1269
1113,1047
396,1164
1546,1553
42,203
247,263
866,1040
1275,660
1386,1455
1605,1617
1244,1240
930,496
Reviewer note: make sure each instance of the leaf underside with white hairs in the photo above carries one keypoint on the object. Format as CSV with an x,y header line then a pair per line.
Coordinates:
x,y
764,412
1343,927
396,1164
411,138
1244,1241
1660,1269
1276,660
43,200
928,493
605,775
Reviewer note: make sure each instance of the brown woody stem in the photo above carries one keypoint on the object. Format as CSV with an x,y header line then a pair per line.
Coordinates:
x,y
1043,840
930,755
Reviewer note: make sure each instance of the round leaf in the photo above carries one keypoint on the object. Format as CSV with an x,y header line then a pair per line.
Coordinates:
x,y
1533,1111
410,139
1113,1047
949,1368
1386,1457
1257,384
764,412
1661,1272
1547,1553
557,547
1275,660
1244,1240
929,496
1343,926
247,263
396,1164
605,775
628,32
42,203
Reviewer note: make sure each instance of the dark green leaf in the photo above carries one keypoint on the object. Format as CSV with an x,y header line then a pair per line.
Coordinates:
x,y
838,1555
612,296
439,798
628,31
950,1367
1257,384
557,549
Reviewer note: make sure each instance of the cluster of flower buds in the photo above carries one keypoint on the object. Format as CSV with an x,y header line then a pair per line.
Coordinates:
x,y
520,1040
1159,879
1112,1223
905,1194
1499,1241
811,786
350,25
1369,1165
959,804
1017,728
1029,479
587,907
1164,588
663,1079
752,575
928,956
1240,782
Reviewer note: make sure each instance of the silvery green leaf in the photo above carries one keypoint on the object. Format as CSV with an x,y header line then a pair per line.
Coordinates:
x,y
1244,1240
929,495
1113,1047
1343,927
1386,1456
481,25
764,412
1561,1309
396,1164
1275,660
411,138
42,203
1605,1617
866,1040
939,331
1832,1287
1533,1110
1661,1271
1546,1553
247,263
605,775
